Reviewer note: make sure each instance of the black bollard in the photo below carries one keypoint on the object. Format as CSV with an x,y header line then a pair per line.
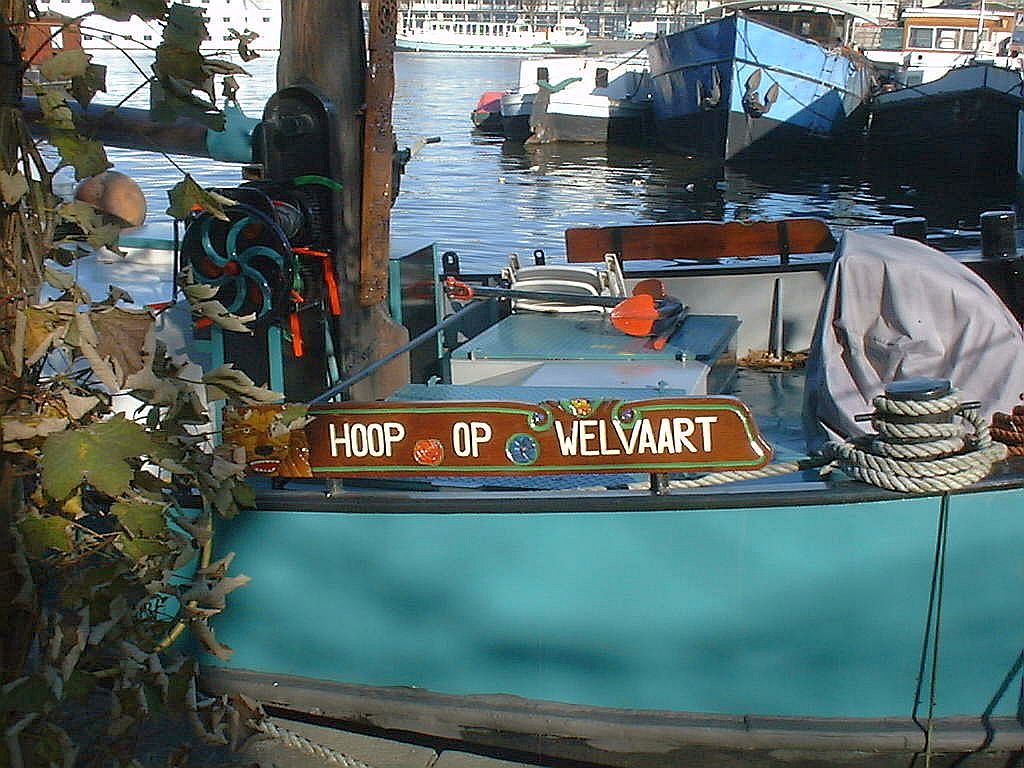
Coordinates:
x,y
913,228
998,234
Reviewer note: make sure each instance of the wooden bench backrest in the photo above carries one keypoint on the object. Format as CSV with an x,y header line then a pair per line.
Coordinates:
x,y
699,240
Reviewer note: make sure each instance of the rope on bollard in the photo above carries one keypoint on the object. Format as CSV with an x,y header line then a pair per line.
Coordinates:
x,y
917,446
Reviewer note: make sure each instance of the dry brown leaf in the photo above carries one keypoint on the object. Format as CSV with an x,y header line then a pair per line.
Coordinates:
x,y
126,337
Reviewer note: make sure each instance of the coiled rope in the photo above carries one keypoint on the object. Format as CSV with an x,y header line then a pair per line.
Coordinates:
x,y
918,447
300,743
1008,428
736,475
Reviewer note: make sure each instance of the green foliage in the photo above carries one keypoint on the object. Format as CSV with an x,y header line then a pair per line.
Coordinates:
x,y
187,196
141,518
91,81
184,83
44,534
97,454
123,10
86,156
13,186
185,28
106,568
65,65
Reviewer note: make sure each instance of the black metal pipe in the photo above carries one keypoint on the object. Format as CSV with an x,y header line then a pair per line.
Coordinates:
x,y
580,299
428,334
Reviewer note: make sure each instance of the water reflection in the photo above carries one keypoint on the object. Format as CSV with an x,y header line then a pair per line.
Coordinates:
x,y
485,197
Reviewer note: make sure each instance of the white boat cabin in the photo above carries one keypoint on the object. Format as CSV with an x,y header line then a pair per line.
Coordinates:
x,y
930,41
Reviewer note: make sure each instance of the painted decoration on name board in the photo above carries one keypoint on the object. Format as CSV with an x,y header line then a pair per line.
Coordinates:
x,y
380,439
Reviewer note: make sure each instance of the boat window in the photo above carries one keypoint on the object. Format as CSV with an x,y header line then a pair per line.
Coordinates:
x,y
968,39
601,78
542,73
920,37
947,39
891,38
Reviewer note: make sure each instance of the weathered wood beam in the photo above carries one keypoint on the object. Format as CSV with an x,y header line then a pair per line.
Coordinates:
x,y
322,45
130,128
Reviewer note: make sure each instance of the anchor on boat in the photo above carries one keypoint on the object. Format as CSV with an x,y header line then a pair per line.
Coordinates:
x,y
709,98
753,105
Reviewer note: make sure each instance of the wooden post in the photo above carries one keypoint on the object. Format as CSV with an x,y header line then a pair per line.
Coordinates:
x,y
322,45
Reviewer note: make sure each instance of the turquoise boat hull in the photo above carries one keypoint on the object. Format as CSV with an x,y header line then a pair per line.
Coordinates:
x,y
818,610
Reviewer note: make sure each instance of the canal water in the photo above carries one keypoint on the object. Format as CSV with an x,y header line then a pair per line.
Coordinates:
x,y
486,198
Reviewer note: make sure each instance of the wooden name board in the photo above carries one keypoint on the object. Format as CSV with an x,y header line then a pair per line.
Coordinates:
x,y
385,439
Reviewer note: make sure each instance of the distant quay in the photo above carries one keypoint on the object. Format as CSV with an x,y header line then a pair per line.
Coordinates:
x,y
600,46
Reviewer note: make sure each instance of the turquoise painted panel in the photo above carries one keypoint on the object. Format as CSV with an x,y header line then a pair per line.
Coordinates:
x,y
794,611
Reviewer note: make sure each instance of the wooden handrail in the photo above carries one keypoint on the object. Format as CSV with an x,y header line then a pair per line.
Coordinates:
x,y
699,240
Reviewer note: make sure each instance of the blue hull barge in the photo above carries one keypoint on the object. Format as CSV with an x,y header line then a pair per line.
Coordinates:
x,y
737,87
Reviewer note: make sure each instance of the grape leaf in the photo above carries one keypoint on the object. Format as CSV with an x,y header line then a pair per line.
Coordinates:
x,y
86,85
245,53
141,518
65,65
169,100
180,64
58,278
42,534
86,156
123,10
125,340
41,327
86,216
222,67
185,28
96,454
228,382
13,186
26,694
187,196
30,426
77,405
230,89
53,103
137,549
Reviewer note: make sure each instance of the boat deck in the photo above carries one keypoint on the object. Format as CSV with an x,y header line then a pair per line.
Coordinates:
x,y
372,751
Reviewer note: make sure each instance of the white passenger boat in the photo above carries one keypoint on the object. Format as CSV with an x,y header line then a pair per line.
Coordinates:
x,y
517,103
256,21
606,99
929,42
520,36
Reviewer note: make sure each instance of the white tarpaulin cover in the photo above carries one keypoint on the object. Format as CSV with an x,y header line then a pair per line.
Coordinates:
x,y
896,309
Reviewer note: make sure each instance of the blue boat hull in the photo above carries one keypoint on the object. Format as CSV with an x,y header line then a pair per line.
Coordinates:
x,y
816,610
735,87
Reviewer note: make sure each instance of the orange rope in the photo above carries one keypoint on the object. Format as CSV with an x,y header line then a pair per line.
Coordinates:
x,y
1008,428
